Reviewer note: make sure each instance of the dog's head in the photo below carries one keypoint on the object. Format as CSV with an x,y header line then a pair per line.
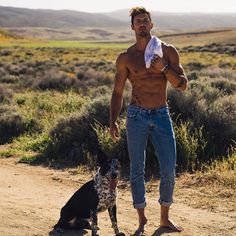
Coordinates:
x,y
110,170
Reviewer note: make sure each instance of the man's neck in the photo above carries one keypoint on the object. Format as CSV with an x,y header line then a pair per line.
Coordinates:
x,y
142,42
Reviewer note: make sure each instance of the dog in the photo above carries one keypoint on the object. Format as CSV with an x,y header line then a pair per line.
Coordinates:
x,y
97,195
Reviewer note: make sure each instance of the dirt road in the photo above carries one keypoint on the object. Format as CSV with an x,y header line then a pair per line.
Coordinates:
x,y
31,198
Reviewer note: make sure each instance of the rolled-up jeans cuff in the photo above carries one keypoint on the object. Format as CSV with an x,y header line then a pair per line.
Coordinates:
x,y
140,205
163,203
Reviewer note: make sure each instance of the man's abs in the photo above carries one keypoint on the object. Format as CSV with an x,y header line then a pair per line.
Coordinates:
x,y
148,95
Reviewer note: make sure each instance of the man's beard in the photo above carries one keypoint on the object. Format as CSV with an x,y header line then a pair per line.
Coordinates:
x,y
143,34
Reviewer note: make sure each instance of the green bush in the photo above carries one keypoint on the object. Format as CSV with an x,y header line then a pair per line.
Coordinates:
x,y
206,104
107,144
190,145
73,137
32,142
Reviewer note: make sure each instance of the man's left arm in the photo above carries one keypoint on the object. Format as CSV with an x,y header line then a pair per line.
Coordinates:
x,y
172,69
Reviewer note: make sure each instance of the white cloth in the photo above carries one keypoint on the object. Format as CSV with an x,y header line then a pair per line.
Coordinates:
x,y
153,47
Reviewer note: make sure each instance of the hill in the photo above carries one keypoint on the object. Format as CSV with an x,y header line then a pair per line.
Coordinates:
x,y
184,21
22,17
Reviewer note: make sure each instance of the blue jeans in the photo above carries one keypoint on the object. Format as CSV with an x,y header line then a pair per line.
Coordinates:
x,y
157,125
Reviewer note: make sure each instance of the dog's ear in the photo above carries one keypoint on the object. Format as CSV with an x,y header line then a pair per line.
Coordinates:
x,y
102,158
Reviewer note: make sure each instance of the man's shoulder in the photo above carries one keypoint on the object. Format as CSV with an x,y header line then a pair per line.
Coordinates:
x,y
169,49
123,56
127,51
167,46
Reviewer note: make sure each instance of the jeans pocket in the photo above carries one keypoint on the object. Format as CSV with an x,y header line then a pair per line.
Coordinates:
x,y
132,114
164,113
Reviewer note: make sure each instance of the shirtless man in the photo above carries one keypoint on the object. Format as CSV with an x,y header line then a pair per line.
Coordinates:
x,y
148,114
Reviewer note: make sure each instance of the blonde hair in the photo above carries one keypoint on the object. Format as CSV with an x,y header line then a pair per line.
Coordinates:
x,y
136,11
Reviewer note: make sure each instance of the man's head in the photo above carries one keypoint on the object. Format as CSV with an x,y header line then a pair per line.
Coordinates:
x,y
141,21
138,10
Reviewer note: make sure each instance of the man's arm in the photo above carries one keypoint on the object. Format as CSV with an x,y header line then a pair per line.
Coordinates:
x,y
172,68
117,95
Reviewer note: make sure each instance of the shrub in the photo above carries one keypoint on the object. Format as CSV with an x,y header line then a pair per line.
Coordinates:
x,y
225,85
220,125
94,78
5,94
2,72
209,107
193,75
190,146
183,105
35,142
72,137
12,124
195,66
107,144
5,52
55,80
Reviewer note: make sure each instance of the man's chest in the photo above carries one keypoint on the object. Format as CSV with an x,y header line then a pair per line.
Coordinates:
x,y
137,67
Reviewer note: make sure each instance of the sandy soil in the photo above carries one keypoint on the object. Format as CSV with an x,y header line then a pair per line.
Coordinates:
x,y
31,198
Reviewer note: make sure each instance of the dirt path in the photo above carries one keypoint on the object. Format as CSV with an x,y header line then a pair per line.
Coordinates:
x,y
31,198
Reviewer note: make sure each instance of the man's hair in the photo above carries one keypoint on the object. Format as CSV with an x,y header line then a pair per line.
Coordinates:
x,y
138,10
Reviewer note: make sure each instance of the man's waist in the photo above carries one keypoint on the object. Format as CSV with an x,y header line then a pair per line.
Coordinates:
x,y
162,107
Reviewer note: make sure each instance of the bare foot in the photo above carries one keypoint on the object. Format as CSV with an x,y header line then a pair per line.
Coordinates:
x,y
141,231
171,225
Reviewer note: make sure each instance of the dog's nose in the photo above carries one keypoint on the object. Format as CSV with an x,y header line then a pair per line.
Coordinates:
x,y
114,175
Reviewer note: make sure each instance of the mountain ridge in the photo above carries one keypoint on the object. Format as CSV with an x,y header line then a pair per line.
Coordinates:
x,y
24,17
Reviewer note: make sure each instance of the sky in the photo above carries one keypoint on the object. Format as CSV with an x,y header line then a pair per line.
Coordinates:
x,y
220,6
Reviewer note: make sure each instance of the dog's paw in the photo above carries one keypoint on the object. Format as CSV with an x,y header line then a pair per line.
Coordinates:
x,y
59,230
95,234
120,234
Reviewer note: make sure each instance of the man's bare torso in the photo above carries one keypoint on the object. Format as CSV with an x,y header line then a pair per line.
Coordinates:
x,y
148,85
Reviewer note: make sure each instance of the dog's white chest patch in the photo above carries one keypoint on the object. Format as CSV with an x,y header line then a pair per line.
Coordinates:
x,y
107,197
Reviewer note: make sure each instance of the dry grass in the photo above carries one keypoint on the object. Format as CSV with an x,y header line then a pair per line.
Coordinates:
x,y
200,39
213,189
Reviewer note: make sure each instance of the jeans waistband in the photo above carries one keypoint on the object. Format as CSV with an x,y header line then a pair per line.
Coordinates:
x,y
148,110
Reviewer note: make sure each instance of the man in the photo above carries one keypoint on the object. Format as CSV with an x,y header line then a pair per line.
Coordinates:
x,y
148,114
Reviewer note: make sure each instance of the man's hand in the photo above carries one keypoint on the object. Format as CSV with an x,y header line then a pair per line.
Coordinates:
x,y
115,131
158,63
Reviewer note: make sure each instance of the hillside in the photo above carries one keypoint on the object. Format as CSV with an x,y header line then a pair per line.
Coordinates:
x,y
21,17
184,21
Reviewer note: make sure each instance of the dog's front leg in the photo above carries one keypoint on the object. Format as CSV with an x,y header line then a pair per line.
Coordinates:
x,y
112,214
93,214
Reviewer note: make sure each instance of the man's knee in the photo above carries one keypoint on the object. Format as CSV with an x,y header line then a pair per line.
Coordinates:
x,y
168,177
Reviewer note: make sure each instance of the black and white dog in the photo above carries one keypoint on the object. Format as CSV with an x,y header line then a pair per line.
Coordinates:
x,y
93,197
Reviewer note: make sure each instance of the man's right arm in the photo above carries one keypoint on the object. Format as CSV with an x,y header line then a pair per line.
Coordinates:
x,y
117,94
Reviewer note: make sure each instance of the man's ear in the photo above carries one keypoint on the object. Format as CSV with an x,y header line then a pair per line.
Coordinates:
x,y
132,26
151,25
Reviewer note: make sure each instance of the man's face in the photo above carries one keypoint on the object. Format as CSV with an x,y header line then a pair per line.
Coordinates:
x,y
142,25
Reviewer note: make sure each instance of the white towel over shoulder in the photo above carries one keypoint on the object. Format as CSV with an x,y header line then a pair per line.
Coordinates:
x,y
153,47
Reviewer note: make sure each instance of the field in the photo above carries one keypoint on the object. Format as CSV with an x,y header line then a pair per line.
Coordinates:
x,y
54,112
